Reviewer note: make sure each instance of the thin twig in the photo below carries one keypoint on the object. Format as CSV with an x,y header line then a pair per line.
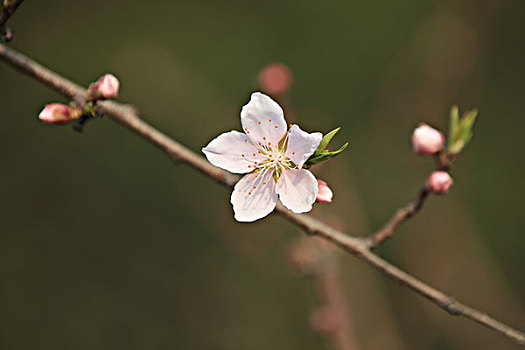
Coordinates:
x,y
128,117
399,218
444,161
8,8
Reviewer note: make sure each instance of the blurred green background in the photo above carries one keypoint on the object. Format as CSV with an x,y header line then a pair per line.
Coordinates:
x,y
104,244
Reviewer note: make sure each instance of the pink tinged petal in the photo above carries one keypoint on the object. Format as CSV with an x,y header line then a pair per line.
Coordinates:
x,y
233,151
301,145
254,196
297,189
263,120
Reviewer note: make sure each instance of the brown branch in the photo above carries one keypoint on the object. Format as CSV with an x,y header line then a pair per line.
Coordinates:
x,y
128,117
397,220
8,8
444,161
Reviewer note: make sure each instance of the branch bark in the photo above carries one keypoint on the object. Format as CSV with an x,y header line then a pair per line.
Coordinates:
x,y
8,8
128,117
444,161
401,216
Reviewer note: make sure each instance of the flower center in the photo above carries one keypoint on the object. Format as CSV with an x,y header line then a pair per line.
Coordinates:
x,y
275,160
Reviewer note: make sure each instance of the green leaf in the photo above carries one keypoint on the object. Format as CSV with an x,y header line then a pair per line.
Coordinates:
x,y
461,133
326,139
454,125
324,156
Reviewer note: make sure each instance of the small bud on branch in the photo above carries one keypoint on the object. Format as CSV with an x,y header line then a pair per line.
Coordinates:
x,y
58,113
427,140
105,87
324,193
439,182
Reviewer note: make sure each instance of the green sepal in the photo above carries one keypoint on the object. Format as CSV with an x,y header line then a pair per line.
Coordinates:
x,y
460,129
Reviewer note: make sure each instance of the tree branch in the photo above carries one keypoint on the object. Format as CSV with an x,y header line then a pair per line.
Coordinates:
x,y
358,247
444,161
8,8
402,215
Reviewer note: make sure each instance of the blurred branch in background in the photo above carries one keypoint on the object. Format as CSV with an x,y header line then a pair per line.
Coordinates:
x,y
8,8
312,257
128,117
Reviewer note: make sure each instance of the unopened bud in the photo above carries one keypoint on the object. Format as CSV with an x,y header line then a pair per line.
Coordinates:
x,y
324,193
275,78
105,87
427,140
57,113
439,182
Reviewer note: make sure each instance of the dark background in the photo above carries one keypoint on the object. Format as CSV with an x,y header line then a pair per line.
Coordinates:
x,y
104,244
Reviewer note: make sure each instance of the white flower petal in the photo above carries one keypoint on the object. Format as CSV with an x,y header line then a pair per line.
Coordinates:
x,y
254,196
297,189
301,145
233,151
263,120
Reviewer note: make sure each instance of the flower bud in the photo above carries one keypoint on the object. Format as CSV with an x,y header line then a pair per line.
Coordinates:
x,y
324,193
275,78
439,182
427,140
56,113
105,87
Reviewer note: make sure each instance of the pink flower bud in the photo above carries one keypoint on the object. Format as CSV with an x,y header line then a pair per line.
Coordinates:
x,y
324,193
56,113
439,182
275,78
427,140
105,87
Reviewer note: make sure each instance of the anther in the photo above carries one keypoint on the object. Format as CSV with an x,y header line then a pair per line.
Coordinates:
x,y
254,187
276,126
249,166
293,152
264,183
249,193
270,120
260,144
254,154
242,155
259,122
264,138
